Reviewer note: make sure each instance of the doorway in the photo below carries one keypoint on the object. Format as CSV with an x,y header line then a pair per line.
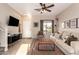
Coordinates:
x,y
47,26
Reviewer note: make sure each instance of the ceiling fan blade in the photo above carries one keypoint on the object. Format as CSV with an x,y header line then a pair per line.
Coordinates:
x,y
37,9
50,6
48,10
44,6
41,4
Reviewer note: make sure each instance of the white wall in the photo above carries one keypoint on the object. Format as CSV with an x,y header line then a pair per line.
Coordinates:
x,y
69,13
12,12
5,12
27,26
36,18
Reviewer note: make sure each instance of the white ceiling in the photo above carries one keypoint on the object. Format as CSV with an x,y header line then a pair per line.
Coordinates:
x,y
28,8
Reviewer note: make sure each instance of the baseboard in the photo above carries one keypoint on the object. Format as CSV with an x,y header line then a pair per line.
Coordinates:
x,y
27,38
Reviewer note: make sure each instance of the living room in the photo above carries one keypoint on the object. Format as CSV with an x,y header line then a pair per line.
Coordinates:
x,y
29,25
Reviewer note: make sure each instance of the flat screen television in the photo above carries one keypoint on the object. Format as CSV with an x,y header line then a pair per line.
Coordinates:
x,y
13,21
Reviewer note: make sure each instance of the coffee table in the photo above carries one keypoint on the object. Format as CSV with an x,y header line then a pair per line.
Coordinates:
x,y
46,46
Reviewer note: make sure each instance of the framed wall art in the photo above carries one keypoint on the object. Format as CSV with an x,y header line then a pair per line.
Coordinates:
x,y
67,24
35,24
73,23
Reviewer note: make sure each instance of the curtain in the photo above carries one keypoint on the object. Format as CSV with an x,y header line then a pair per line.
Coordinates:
x,y
52,26
41,25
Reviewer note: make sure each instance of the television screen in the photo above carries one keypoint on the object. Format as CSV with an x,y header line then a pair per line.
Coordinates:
x,y
13,21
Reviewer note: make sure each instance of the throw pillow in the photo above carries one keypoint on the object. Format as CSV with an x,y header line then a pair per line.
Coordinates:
x,y
56,35
60,36
71,38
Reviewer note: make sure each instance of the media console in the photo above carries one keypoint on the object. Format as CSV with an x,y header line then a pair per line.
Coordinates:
x,y
13,38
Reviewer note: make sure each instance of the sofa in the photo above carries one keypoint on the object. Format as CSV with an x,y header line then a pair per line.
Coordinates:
x,y
64,47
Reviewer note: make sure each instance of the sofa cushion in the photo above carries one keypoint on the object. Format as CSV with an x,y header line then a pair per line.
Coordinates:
x,y
64,37
75,46
56,35
64,47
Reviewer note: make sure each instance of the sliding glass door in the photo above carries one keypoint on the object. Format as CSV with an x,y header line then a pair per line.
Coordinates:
x,y
47,26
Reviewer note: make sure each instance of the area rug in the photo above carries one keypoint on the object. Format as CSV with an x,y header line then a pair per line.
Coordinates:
x,y
33,50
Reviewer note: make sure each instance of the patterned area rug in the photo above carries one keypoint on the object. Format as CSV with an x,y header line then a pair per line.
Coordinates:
x,y
34,49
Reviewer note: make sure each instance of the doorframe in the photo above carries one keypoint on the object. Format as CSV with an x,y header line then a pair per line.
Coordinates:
x,y
41,25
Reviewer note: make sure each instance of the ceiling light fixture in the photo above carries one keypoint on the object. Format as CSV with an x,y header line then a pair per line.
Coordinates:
x,y
44,8
43,11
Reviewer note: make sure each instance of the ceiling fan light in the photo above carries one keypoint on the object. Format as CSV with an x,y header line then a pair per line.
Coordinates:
x,y
44,10
41,11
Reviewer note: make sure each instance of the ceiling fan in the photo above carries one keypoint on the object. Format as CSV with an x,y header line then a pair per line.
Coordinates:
x,y
44,7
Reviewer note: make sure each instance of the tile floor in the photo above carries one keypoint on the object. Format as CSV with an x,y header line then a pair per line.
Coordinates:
x,y
19,48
